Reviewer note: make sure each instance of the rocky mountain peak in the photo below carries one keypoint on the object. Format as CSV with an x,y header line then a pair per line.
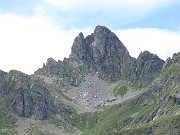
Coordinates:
x,y
103,52
51,62
81,36
96,45
146,56
78,47
101,30
146,67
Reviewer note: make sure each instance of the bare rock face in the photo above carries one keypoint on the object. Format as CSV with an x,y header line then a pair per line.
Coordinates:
x,y
146,67
26,97
102,52
4,88
36,102
23,103
52,66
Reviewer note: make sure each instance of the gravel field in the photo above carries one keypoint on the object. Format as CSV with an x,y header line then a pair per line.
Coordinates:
x,y
95,92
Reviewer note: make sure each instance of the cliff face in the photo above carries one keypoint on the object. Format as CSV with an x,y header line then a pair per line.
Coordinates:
x,y
102,52
145,68
27,97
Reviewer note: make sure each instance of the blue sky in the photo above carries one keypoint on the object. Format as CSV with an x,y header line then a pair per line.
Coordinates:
x,y
33,30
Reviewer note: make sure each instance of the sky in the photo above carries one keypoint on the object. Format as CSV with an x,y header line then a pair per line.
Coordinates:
x,y
31,31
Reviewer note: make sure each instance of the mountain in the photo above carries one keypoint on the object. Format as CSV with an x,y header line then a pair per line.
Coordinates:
x,y
99,89
104,53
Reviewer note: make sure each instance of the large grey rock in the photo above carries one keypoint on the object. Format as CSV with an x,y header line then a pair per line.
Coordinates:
x,y
2,73
36,101
52,66
4,88
23,103
175,97
40,90
41,108
145,68
103,52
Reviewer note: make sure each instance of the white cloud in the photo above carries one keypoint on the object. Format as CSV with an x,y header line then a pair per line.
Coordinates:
x,y
124,8
158,41
27,42
104,4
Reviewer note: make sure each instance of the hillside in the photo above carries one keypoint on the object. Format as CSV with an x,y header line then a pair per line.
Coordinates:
x,y
99,89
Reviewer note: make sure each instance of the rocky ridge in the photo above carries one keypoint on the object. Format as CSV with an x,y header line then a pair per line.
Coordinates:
x,y
103,53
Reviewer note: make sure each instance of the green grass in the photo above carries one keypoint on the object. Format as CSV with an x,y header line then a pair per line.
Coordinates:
x,y
175,69
8,132
121,89
105,121
6,123
36,131
63,122
7,126
161,126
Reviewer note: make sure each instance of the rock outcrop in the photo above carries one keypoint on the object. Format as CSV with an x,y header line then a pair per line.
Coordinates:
x,y
175,98
101,52
172,61
28,97
145,68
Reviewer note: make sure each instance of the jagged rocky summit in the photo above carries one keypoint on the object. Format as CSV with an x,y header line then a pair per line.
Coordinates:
x,y
104,54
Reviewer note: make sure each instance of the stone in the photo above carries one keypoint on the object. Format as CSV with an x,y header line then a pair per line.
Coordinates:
x,y
145,68
36,101
22,104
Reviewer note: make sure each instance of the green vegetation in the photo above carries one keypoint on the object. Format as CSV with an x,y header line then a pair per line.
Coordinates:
x,y
121,89
162,126
6,123
121,118
8,132
7,126
105,121
173,70
36,131
61,124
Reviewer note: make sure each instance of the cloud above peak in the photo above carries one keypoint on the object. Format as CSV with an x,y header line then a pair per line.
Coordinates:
x,y
106,12
162,42
111,4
